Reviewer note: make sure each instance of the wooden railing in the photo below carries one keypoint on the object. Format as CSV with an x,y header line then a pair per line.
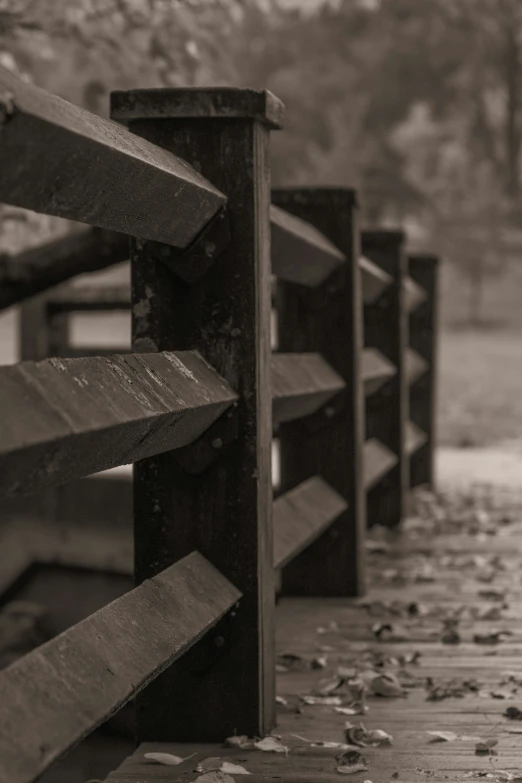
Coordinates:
x,y
196,401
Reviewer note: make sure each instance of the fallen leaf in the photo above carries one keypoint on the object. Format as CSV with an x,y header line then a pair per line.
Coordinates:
x,y
485,746
233,769
209,764
360,735
290,662
513,713
166,758
281,700
322,701
442,736
320,662
271,745
350,762
494,637
386,685
492,595
350,770
385,632
214,777
241,741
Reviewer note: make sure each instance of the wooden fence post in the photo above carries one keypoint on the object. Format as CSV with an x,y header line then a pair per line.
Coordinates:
x,y
423,392
40,334
386,328
328,320
225,684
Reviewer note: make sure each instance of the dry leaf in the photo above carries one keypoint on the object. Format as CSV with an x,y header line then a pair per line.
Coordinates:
x,y
166,758
352,769
494,637
386,685
485,746
271,745
322,701
320,662
208,764
513,713
359,735
241,741
350,762
281,700
233,769
442,736
214,777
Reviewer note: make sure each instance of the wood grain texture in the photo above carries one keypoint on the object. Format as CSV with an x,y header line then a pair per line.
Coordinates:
x,y
376,370
197,103
227,510
374,280
302,515
29,273
67,418
424,330
415,366
378,461
57,694
412,758
327,319
415,294
415,438
59,159
301,384
386,328
300,253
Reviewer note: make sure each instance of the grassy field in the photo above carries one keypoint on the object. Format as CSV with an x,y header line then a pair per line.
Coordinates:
x,y
480,391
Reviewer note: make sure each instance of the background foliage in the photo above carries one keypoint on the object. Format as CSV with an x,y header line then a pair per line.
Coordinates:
x,y
417,104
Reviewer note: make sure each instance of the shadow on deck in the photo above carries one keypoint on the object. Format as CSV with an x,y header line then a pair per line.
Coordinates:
x,y
459,576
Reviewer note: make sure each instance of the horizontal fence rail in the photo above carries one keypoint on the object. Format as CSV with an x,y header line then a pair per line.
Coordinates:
x,y
72,417
221,269
60,692
59,159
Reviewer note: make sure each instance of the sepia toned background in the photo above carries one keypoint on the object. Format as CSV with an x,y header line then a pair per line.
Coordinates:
x,y
416,104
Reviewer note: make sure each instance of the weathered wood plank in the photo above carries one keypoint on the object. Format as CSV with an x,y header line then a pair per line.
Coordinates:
x,y
376,370
227,509
59,159
33,271
414,294
60,692
300,253
415,438
302,515
301,384
83,298
415,365
378,461
66,418
327,319
424,328
386,328
374,280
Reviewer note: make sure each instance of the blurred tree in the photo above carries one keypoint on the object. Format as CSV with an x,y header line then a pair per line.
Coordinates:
x,y
416,104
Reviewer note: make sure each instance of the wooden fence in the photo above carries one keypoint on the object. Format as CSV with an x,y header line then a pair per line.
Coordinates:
x,y
196,403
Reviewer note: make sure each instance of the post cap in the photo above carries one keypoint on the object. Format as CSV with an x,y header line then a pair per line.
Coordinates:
x,y
196,102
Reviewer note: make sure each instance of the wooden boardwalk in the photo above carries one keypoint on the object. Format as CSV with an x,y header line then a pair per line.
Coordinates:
x,y
430,573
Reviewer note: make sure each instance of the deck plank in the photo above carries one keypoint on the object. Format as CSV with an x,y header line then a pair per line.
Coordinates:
x,y
347,635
